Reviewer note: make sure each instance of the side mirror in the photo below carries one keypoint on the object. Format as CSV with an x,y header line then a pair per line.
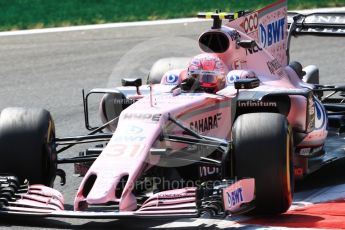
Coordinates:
x,y
247,44
247,83
131,82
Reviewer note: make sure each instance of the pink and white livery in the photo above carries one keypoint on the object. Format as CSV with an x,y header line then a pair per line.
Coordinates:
x,y
226,133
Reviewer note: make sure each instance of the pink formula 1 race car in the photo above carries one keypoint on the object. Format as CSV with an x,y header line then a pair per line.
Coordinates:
x,y
226,133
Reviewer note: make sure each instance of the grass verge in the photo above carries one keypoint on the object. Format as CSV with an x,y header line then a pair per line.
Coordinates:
x,y
29,14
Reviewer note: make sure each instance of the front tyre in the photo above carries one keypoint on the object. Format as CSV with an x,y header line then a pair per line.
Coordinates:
x,y
263,150
27,147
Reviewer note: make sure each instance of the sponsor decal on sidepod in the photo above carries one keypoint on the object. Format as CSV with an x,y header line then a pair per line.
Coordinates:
x,y
206,124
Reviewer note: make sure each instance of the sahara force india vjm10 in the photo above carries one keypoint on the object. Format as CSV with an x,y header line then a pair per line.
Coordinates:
x,y
226,132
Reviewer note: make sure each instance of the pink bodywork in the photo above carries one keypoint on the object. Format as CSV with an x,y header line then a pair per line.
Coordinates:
x,y
113,175
127,153
139,126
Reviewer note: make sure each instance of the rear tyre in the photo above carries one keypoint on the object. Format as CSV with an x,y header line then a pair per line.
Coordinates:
x,y
111,106
311,74
160,67
27,149
263,150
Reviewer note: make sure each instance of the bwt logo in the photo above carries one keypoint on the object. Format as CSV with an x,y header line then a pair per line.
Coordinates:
x,y
235,197
171,79
231,78
273,33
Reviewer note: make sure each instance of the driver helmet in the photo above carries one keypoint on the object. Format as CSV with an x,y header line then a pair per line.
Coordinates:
x,y
209,71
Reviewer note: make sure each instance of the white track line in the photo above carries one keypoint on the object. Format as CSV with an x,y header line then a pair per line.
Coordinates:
x,y
100,26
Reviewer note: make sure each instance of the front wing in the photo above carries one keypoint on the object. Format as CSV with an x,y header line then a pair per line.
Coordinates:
x,y
226,197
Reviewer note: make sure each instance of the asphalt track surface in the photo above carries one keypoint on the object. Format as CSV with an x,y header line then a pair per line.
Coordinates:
x,y
49,71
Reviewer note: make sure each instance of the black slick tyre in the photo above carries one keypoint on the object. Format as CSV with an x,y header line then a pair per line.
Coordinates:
x,y
262,145
26,145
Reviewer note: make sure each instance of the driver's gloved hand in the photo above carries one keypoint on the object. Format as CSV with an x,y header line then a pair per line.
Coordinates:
x,y
190,84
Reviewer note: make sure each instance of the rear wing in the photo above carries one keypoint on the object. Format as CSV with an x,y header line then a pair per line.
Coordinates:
x,y
321,24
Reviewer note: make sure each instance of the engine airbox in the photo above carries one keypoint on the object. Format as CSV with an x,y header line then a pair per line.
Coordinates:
x,y
214,41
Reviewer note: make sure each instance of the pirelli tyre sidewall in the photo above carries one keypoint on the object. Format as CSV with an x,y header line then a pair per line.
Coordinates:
x,y
263,149
27,146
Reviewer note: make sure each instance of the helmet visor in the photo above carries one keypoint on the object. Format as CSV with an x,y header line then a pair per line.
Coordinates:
x,y
208,78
